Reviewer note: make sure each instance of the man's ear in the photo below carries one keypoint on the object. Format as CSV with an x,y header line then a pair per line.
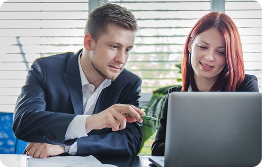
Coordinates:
x,y
87,42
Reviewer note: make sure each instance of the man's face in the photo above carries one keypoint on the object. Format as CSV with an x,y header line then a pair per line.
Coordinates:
x,y
111,51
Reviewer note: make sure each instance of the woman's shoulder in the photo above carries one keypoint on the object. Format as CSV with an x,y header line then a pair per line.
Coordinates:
x,y
250,77
249,84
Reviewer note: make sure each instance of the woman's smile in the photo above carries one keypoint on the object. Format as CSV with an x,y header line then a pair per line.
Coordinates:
x,y
206,67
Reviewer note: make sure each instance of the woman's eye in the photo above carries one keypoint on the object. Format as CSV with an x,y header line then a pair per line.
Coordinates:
x,y
221,52
202,47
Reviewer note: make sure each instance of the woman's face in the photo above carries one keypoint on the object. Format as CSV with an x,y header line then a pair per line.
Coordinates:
x,y
208,55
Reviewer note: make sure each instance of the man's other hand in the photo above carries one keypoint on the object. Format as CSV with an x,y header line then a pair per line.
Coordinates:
x,y
43,150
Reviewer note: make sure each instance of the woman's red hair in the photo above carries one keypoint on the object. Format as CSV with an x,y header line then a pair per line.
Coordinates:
x,y
233,74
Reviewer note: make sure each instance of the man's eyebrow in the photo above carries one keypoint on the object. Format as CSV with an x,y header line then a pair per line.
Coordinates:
x,y
117,43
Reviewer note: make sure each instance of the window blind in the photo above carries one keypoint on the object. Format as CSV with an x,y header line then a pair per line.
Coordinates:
x,y
36,28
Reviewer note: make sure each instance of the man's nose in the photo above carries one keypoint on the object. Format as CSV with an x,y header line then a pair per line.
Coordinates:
x,y
121,57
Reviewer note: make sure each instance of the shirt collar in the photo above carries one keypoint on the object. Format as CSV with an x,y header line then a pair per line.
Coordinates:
x,y
84,80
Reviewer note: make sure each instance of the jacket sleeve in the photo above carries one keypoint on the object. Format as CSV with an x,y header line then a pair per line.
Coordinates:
x,y
123,142
32,123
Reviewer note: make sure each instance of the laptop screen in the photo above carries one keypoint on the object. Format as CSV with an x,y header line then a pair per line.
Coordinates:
x,y
213,129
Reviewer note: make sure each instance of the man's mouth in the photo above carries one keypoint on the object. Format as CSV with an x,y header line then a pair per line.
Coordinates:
x,y
115,68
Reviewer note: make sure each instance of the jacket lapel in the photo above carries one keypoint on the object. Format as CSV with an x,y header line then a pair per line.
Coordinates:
x,y
73,82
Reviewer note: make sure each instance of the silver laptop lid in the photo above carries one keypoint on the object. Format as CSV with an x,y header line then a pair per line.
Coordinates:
x,y
213,129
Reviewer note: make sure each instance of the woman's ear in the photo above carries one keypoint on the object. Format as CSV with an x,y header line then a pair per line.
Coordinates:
x,y
87,42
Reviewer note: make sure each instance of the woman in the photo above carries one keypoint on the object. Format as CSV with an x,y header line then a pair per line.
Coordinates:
x,y
213,61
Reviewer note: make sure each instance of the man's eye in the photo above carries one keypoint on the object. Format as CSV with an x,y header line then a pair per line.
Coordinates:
x,y
128,50
113,46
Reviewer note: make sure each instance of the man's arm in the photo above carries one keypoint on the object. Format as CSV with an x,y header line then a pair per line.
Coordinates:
x,y
33,121
121,142
126,141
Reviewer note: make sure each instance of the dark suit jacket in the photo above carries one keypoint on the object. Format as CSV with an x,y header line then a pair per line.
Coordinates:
x,y
158,148
52,97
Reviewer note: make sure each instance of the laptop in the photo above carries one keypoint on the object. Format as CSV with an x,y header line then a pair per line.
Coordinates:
x,y
212,129
158,161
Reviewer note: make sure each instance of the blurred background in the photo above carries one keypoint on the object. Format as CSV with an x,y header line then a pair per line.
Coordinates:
x,y
30,29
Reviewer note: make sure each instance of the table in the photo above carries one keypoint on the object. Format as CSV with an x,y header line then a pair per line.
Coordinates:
x,y
127,161
19,160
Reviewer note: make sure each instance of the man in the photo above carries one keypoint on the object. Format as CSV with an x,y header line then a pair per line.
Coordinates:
x,y
76,102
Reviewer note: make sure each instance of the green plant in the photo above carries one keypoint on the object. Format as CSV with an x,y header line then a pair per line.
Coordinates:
x,y
154,108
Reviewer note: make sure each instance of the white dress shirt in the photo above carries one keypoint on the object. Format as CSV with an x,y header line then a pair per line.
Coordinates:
x,y
76,128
